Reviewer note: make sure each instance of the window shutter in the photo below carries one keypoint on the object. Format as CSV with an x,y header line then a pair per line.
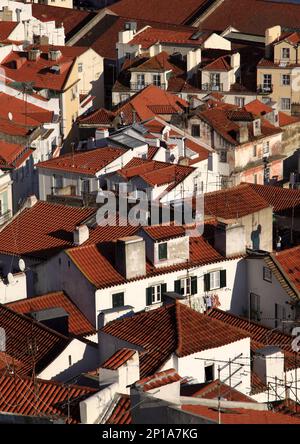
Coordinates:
x,y
149,296
207,282
222,278
177,286
163,289
194,286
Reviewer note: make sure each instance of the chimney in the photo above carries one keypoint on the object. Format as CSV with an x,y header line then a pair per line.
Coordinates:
x,y
271,35
268,363
34,54
30,201
131,256
243,134
128,33
230,238
54,55
81,234
235,61
193,60
101,133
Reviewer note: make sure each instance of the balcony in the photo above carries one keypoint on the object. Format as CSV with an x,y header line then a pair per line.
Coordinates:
x,y
212,86
264,89
140,86
5,217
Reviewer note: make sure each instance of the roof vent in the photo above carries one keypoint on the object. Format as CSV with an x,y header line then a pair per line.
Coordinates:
x,y
34,54
130,26
54,55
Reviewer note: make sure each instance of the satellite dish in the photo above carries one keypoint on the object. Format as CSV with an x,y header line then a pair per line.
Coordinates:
x,y
10,278
10,116
22,265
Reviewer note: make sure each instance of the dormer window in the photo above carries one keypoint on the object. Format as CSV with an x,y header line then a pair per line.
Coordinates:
x,y
285,53
156,80
163,251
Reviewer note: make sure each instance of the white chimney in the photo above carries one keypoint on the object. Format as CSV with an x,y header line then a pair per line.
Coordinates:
x,y
30,201
131,257
268,364
101,133
34,55
230,238
235,61
193,60
81,234
54,55
271,35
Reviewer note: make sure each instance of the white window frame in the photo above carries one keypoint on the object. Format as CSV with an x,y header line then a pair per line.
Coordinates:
x,y
185,285
285,108
282,53
215,280
285,80
156,293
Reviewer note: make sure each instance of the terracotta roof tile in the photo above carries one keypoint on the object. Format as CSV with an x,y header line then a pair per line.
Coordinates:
x,y
121,413
100,116
21,396
164,232
78,323
6,29
118,359
86,162
219,64
279,198
173,329
158,380
234,202
213,390
289,261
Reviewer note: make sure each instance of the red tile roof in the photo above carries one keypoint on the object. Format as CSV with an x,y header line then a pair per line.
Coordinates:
x,y
78,323
42,230
260,109
72,19
289,261
121,413
13,155
219,64
150,36
118,359
96,263
85,162
6,29
279,198
22,332
213,390
158,380
241,416
178,14
173,329
18,68
164,232
157,63
234,202
23,396
236,14
99,116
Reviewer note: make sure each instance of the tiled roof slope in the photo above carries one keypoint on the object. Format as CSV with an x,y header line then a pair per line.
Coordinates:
x,y
267,14
171,329
279,198
21,396
96,263
289,262
86,162
6,29
213,390
234,202
42,230
78,323
118,359
260,109
23,333
158,380
99,116
180,13
121,413
72,19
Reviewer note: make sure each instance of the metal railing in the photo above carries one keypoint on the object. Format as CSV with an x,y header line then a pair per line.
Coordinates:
x,y
212,86
264,89
140,86
5,217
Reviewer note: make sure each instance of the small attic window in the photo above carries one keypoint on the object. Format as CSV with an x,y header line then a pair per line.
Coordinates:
x,y
163,251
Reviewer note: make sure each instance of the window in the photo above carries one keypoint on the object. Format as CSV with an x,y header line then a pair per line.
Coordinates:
x,y
267,274
140,81
70,360
255,179
267,82
280,315
80,67
118,300
163,251
223,156
285,80
196,130
209,373
154,294
215,81
255,151
285,104
186,286
215,280
285,53
210,162
254,307
266,147
240,101
156,79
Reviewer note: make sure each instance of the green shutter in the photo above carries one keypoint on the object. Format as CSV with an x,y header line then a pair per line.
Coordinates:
x,y
222,278
163,289
194,286
177,287
149,296
207,282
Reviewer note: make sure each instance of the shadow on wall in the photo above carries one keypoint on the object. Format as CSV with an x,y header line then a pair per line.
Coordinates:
x,y
239,305
255,238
